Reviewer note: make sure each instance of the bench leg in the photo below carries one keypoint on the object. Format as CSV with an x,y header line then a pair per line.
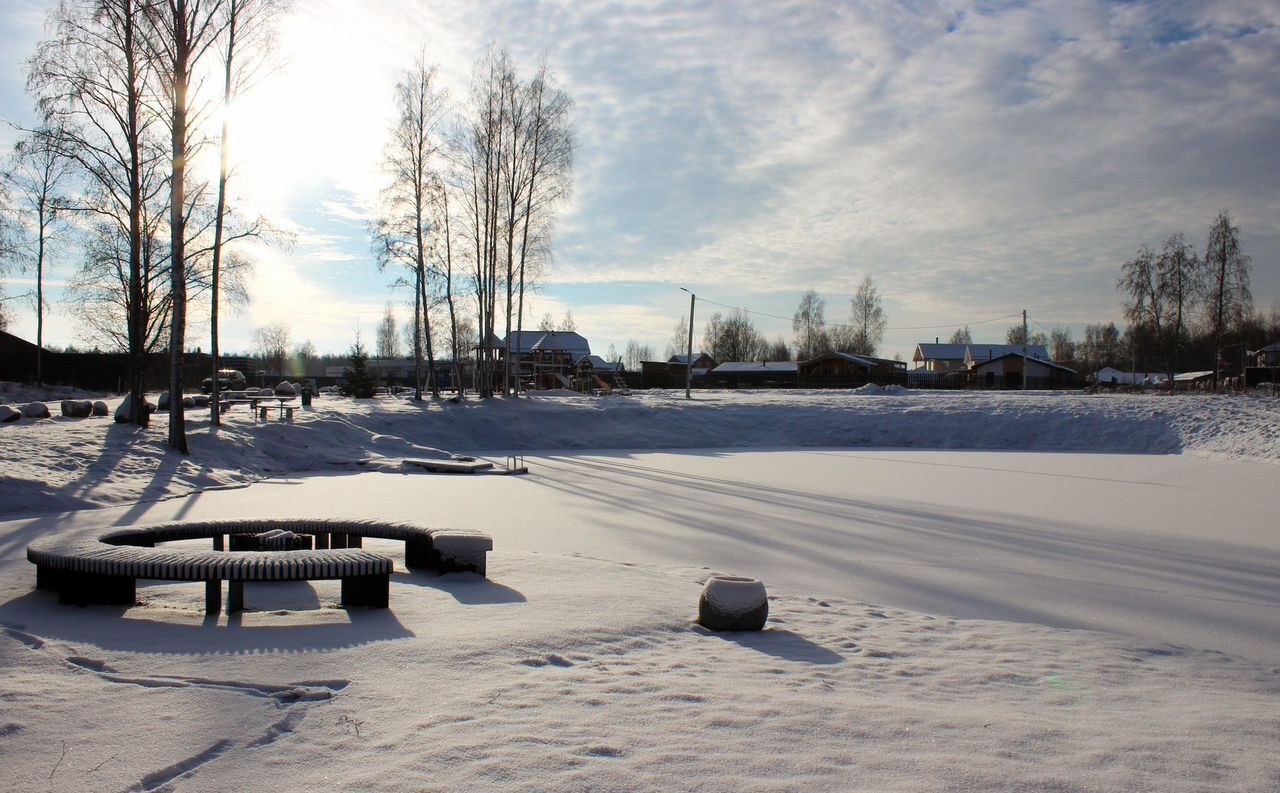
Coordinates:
x,y
337,540
92,589
419,554
355,541
212,597
322,542
366,591
235,597
48,578
219,542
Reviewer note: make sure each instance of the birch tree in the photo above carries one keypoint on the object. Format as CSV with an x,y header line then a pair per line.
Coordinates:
x,y
403,229
866,318
38,174
1227,270
182,33
90,81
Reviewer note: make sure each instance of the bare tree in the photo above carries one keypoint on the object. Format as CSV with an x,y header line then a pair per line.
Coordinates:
x,y
37,175
961,336
1018,335
547,323
733,338
1061,347
810,328
246,40
388,345
1161,292
568,324
181,33
867,319
271,342
1227,270
679,338
634,353
778,351
404,228
91,82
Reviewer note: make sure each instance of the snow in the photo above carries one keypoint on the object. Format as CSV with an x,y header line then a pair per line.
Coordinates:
x,y
734,595
1030,592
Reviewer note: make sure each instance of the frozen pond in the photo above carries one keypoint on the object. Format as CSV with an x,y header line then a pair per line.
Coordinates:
x,y
1172,549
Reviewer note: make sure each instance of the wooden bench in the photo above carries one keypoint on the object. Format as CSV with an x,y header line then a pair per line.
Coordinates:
x,y
104,568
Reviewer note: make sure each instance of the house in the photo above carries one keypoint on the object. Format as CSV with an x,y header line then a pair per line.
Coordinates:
x,y
1267,356
1006,372
843,368
1109,376
756,374
977,353
939,357
702,363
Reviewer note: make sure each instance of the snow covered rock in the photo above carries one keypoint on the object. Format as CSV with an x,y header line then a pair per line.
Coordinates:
x,y
122,412
188,402
100,408
163,402
286,389
8,414
732,603
36,410
77,408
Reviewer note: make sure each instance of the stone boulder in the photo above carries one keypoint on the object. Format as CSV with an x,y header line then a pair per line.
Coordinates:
x,y
36,410
731,603
162,403
8,414
122,412
77,408
286,389
100,408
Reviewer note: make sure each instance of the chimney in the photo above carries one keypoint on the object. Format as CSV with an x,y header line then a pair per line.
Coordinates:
x,y
936,338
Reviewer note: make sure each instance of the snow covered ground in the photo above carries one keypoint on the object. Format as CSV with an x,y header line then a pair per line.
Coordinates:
x,y
1008,614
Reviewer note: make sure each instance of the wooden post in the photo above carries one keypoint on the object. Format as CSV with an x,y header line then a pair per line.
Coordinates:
x,y
235,596
212,597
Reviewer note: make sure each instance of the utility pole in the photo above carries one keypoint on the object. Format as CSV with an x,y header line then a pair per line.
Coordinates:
x,y
688,364
1024,349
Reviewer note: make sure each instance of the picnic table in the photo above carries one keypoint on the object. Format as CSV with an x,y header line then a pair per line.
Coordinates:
x,y
259,404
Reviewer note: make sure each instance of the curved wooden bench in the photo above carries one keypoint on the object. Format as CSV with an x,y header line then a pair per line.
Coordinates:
x,y
104,569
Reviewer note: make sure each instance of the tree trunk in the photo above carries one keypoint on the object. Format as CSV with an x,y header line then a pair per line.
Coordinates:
x,y
177,241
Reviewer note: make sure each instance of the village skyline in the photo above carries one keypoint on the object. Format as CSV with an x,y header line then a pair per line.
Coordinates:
x,y
973,163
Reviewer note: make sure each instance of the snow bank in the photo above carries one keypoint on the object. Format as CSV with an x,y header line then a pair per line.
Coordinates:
x,y
78,463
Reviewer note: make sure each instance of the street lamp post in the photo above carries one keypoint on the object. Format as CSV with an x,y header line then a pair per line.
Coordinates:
x,y
688,364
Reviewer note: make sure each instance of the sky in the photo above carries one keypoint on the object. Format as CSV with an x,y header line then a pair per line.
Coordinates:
x,y
975,159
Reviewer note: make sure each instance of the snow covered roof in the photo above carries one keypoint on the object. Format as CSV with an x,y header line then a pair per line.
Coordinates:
x,y
599,364
1040,361
527,341
976,353
683,359
936,352
740,367
1183,377
865,361
1273,347
1119,377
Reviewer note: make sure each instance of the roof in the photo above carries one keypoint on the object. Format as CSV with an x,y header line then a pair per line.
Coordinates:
x,y
1106,374
526,341
1182,377
989,352
743,367
683,359
599,364
865,361
1273,347
945,352
1041,361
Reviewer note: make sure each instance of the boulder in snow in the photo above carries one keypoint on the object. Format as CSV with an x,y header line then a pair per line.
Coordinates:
x,y
36,410
100,408
188,402
77,408
266,392
122,412
732,603
163,402
8,414
286,389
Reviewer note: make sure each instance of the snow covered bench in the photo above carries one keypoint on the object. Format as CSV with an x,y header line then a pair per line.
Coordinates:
x,y
104,568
